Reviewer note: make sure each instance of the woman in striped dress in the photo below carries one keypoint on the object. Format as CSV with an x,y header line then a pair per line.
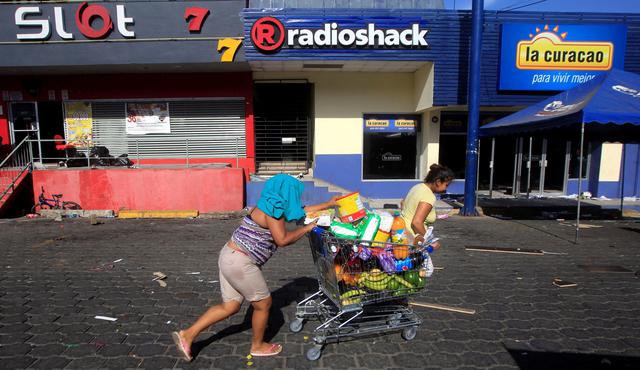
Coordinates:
x,y
257,238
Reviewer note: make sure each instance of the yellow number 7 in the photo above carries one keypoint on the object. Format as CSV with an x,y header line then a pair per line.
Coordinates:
x,y
231,47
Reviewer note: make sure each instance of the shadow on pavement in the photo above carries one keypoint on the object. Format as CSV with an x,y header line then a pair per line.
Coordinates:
x,y
550,360
289,293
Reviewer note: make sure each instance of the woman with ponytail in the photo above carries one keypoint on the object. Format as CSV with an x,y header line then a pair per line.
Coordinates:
x,y
418,207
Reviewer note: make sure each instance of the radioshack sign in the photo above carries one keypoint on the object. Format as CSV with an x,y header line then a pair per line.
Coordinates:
x,y
558,56
269,35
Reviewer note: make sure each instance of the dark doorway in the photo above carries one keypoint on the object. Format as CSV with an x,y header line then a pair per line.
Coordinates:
x,y
282,118
51,124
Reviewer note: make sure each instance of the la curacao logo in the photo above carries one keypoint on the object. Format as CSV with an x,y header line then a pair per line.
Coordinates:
x,y
548,50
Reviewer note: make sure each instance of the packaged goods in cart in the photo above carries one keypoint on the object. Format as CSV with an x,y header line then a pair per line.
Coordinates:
x,y
350,207
324,217
398,230
369,227
343,230
386,220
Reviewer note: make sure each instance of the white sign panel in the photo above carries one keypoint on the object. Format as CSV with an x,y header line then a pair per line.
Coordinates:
x,y
148,118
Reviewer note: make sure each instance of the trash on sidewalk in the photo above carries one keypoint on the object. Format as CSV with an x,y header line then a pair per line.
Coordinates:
x,y
107,318
159,277
118,260
443,216
535,252
94,220
193,273
604,268
582,226
444,308
563,283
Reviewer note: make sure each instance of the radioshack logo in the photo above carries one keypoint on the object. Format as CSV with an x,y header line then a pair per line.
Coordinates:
x,y
548,50
269,35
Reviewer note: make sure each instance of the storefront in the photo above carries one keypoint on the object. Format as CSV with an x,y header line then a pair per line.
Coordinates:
x,y
388,92
163,82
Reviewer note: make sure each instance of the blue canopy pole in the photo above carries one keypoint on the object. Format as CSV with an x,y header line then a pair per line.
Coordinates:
x,y
624,148
470,174
579,182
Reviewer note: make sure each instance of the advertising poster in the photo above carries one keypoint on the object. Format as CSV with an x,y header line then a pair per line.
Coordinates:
x,y
78,123
148,118
389,124
556,57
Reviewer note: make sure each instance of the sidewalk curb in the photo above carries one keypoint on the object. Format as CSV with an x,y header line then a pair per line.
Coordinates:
x,y
127,214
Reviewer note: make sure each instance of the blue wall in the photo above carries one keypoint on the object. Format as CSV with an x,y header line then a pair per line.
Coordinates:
x,y
449,40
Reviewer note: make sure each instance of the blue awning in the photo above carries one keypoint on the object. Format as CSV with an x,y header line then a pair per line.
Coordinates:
x,y
611,99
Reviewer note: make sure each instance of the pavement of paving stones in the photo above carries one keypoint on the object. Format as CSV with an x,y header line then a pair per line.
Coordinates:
x,y
55,277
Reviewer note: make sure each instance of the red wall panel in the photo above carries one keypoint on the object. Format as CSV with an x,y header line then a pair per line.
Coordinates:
x,y
203,189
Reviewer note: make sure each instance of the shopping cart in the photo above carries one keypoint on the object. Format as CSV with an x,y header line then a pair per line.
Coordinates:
x,y
363,290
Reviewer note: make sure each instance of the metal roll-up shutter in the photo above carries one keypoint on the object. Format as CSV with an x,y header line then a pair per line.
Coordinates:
x,y
199,129
109,126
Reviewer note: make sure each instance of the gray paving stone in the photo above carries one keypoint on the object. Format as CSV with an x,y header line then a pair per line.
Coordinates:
x,y
59,300
158,362
50,363
20,362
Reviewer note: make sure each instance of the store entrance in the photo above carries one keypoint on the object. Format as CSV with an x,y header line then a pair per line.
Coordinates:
x,y
51,124
282,119
40,121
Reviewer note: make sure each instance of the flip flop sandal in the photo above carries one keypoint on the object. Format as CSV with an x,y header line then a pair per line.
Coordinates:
x,y
182,346
273,350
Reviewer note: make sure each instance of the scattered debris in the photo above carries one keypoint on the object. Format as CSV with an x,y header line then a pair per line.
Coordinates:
x,y
438,268
169,322
563,283
94,220
443,307
193,273
604,268
107,318
33,215
536,252
104,267
118,260
212,281
582,226
159,277
443,216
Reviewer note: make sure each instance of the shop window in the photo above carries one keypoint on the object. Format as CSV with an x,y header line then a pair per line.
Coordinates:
x,y
453,138
574,160
390,147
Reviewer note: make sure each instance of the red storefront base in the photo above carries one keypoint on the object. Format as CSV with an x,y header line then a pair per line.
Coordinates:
x,y
202,189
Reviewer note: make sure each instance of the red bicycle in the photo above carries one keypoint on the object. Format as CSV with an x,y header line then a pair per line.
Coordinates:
x,y
53,203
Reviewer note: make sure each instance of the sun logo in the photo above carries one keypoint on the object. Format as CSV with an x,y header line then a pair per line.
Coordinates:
x,y
549,50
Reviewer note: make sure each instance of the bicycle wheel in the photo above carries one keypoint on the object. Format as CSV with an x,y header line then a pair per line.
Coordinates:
x,y
70,205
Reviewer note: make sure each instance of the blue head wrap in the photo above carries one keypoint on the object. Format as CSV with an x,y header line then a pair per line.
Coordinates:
x,y
281,196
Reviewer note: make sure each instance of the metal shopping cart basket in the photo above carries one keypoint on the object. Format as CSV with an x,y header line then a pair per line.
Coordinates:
x,y
363,290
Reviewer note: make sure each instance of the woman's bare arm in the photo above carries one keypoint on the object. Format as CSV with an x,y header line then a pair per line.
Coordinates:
x,y
417,224
281,236
322,206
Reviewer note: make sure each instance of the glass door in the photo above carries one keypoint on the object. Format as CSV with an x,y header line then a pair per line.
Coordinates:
x,y
24,123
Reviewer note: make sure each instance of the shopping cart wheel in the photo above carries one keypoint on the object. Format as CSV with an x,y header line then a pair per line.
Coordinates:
x,y
296,325
409,333
314,353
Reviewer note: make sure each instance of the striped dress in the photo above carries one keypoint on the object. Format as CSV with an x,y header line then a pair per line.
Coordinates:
x,y
255,240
